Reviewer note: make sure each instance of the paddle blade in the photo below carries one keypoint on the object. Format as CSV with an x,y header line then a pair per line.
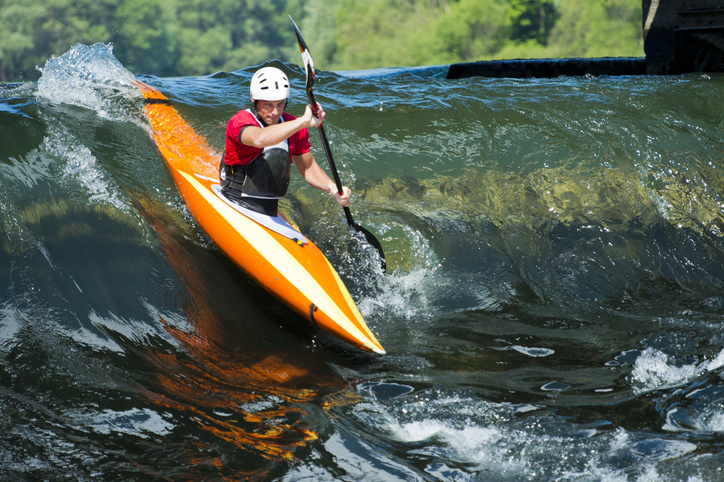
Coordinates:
x,y
309,69
306,56
375,244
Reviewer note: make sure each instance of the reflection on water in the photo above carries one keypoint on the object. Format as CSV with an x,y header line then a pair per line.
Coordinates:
x,y
223,382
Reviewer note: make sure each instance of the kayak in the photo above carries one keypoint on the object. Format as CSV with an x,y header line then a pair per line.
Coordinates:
x,y
267,248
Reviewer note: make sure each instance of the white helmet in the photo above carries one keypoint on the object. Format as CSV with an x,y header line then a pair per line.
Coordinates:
x,y
269,83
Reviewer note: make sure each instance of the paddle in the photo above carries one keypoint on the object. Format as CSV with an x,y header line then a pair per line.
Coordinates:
x,y
309,69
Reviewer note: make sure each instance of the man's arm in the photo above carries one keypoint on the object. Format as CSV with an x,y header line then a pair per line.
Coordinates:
x,y
318,179
255,136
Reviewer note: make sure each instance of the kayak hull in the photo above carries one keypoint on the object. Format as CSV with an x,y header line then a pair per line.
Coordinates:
x,y
293,270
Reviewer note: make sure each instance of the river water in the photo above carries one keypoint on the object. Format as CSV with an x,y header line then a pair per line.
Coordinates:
x,y
552,310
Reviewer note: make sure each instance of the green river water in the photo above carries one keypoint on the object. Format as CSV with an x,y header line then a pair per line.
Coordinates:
x,y
552,311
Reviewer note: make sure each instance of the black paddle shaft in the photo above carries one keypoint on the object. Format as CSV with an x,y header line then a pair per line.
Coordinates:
x,y
309,69
328,152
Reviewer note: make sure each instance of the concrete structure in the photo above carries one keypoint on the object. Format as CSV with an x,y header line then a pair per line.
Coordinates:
x,y
548,68
683,36
680,36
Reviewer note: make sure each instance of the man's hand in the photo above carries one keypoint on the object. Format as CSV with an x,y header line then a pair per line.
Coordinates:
x,y
310,119
343,198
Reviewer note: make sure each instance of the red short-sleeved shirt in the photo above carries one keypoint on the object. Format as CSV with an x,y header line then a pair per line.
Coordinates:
x,y
238,153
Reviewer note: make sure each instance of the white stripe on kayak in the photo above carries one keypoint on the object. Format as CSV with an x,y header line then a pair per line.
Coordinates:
x,y
276,223
284,262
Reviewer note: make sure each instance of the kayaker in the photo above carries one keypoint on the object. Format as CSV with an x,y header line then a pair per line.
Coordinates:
x,y
261,144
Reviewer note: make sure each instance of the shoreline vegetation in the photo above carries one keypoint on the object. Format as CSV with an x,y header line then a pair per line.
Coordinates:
x,y
169,38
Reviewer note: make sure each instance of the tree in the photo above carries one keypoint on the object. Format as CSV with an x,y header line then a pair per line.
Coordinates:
x,y
531,20
231,34
198,37
386,33
17,22
34,30
472,30
141,37
598,28
318,24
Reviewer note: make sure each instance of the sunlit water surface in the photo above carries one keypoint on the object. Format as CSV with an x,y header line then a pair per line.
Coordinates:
x,y
552,310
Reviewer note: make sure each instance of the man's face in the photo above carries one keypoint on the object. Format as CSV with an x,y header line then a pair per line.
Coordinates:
x,y
270,111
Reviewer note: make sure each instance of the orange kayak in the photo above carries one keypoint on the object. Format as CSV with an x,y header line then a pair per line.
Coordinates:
x,y
271,251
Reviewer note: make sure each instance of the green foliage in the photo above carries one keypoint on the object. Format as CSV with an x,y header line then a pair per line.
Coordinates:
x,y
318,23
472,29
199,37
531,20
141,38
17,22
598,29
376,33
33,30
386,33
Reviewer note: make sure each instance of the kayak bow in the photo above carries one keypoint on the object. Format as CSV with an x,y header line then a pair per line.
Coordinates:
x,y
271,251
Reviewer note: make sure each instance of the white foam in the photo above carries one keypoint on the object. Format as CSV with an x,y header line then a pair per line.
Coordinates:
x,y
403,296
141,423
10,326
79,168
533,351
463,438
715,423
90,77
654,369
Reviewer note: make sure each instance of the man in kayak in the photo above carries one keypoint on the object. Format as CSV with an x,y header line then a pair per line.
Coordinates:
x,y
261,144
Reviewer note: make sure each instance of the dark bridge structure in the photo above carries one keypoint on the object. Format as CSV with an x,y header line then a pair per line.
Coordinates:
x,y
680,36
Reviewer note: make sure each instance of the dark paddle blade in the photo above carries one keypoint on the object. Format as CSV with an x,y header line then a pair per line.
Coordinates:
x,y
375,244
309,70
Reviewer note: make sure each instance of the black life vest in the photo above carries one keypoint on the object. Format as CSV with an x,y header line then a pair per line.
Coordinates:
x,y
263,180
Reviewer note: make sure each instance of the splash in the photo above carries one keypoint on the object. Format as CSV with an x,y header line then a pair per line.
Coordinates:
x,y
144,423
90,77
655,370
404,295
458,436
81,168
